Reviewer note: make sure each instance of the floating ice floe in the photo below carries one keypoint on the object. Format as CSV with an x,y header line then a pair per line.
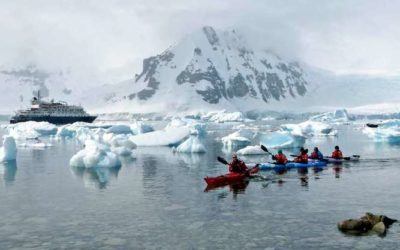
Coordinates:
x,y
238,139
8,152
31,129
282,139
119,129
140,128
388,131
170,136
192,145
195,142
95,154
309,128
251,150
338,116
121,145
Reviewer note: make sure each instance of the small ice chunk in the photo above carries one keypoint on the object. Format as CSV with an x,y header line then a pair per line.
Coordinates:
x,y
8,152
141,128
167,137
309,128
238,139
251,150
95,154
338,116
282,139
119,129
192,145
31,129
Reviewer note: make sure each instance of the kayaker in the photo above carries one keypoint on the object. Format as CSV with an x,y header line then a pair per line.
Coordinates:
x,y
280,158
237,166
337,154
303,157
316,154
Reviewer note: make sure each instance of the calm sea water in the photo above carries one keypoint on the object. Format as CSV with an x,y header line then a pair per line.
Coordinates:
x,y
157,201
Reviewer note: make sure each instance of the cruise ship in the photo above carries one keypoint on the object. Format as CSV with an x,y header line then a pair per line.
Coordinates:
x,y
53,112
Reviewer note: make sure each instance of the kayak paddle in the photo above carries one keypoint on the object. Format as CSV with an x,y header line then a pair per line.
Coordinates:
x,y
222,160
265,149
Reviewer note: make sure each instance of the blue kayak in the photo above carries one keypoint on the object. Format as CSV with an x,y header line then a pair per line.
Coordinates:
x,y
290,165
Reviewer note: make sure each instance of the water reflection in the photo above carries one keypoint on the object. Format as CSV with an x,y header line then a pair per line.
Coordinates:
x,y
190,160
337,170
236,188
8,170
97,177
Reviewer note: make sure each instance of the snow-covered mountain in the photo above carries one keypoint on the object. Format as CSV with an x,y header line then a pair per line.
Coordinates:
x,y
214,70
211,69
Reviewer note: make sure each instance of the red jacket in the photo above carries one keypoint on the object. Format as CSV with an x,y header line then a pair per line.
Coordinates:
x,y
280,159
303,158
237,166
337,154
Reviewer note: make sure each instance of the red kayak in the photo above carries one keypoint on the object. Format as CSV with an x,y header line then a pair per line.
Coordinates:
x,y
229,178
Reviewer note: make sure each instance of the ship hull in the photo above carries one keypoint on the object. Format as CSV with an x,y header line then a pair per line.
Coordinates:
x,y
53,119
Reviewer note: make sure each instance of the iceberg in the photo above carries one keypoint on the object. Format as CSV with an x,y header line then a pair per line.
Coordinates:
x,y
95,154
251,150
238,139
31,129
309,128
8,152
170,136
121,145
119,129
338,116
192,145
141,128
388,131
282,139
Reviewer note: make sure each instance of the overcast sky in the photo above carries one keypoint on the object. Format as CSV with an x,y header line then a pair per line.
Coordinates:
x,y
101,36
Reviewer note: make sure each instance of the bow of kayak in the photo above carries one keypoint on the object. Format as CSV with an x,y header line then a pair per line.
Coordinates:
x,y
345,159
229,178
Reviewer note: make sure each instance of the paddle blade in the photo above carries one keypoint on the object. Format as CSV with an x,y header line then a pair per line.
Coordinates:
x,y
264,148
371,125
222,160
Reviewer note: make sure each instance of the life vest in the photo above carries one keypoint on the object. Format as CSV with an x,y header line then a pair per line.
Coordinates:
x,y
337,154
303,158
237,167
316,155
280,159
